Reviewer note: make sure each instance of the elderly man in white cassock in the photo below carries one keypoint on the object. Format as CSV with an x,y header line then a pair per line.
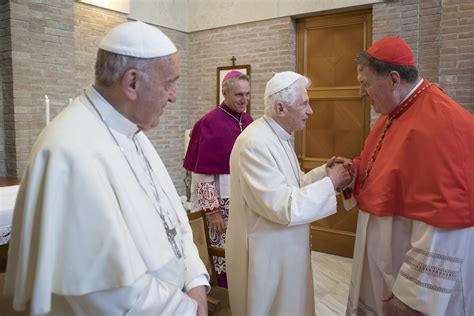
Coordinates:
x,y
272,206
98,227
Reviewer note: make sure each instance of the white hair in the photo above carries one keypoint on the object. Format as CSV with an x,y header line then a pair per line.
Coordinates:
x,y
287,96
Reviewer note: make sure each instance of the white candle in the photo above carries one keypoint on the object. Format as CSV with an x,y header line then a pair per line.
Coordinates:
x,y
46,103
70,100
186,140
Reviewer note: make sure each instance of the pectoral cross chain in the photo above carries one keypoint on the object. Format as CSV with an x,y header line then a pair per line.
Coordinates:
x,y
238,120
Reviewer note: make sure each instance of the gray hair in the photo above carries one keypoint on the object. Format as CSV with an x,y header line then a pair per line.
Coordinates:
x,y
110,67
229,83
287,96
381,68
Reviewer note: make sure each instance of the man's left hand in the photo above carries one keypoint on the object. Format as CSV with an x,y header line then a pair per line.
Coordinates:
x,y
392,306
216,221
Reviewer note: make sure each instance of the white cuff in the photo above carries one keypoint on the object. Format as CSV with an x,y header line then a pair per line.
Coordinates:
x,y
198,281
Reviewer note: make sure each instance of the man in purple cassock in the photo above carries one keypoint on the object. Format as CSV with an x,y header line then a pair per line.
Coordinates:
x,y
207,157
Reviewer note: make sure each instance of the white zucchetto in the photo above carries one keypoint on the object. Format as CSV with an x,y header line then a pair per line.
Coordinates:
x,y
137,39
280,81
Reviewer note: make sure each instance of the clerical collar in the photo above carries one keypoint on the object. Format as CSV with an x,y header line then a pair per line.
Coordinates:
x,y
228,109
110,115
279,131
412,90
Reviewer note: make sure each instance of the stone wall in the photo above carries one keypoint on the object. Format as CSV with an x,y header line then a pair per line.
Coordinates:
x,y
456,66
6,87
42,59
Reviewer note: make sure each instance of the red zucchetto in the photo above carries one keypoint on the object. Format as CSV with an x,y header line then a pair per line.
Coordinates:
x,y
392,50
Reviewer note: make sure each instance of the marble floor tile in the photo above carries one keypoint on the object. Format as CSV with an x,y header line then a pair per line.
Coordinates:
x,y
331,278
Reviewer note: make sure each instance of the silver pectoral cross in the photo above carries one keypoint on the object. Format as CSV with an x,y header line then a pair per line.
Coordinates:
x,y
171,234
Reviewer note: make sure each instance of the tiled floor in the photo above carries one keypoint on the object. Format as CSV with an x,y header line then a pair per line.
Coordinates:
x,y
331,278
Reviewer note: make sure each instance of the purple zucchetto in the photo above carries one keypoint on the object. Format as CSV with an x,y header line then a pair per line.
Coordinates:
x,y
231,74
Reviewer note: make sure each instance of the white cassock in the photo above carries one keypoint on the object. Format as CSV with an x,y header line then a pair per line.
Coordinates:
x,y
267,250
86,238
428,268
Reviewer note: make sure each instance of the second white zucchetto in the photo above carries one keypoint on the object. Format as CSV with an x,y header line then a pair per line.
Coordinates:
x,y
280,81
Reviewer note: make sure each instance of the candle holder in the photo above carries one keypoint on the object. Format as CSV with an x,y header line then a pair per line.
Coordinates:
x,y
187,183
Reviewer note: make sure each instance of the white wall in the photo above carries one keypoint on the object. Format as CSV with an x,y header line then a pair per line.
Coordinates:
x,y
197,15
115,5
172,14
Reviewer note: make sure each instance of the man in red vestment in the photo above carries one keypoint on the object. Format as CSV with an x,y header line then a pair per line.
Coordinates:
x,y
207,157
414,186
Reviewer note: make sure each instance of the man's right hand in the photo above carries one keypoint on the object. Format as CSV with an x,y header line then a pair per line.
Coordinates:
x,y
216,222
392,306
339,175
199,295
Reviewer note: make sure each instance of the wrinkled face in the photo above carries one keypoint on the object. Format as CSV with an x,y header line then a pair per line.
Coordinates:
x,y
378,90
298,113
157,91
239,96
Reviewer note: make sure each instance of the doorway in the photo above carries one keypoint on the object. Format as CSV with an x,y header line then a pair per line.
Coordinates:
x,y
326,49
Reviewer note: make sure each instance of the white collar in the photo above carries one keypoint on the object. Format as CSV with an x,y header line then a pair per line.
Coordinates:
x,y
110,115
279,131
412,90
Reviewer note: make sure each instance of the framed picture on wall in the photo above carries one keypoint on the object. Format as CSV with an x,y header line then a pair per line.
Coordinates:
x,y
221,72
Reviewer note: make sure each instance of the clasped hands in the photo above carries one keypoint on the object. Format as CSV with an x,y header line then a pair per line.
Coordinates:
x,y
340,170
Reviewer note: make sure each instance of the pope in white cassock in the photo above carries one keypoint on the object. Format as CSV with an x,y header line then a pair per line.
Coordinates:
x,y
98,227
272,206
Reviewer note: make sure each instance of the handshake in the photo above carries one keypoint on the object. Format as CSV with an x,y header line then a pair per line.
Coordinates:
x,y
340,170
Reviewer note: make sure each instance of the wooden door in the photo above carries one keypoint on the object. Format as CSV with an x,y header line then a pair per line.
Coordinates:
x,y
326,50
